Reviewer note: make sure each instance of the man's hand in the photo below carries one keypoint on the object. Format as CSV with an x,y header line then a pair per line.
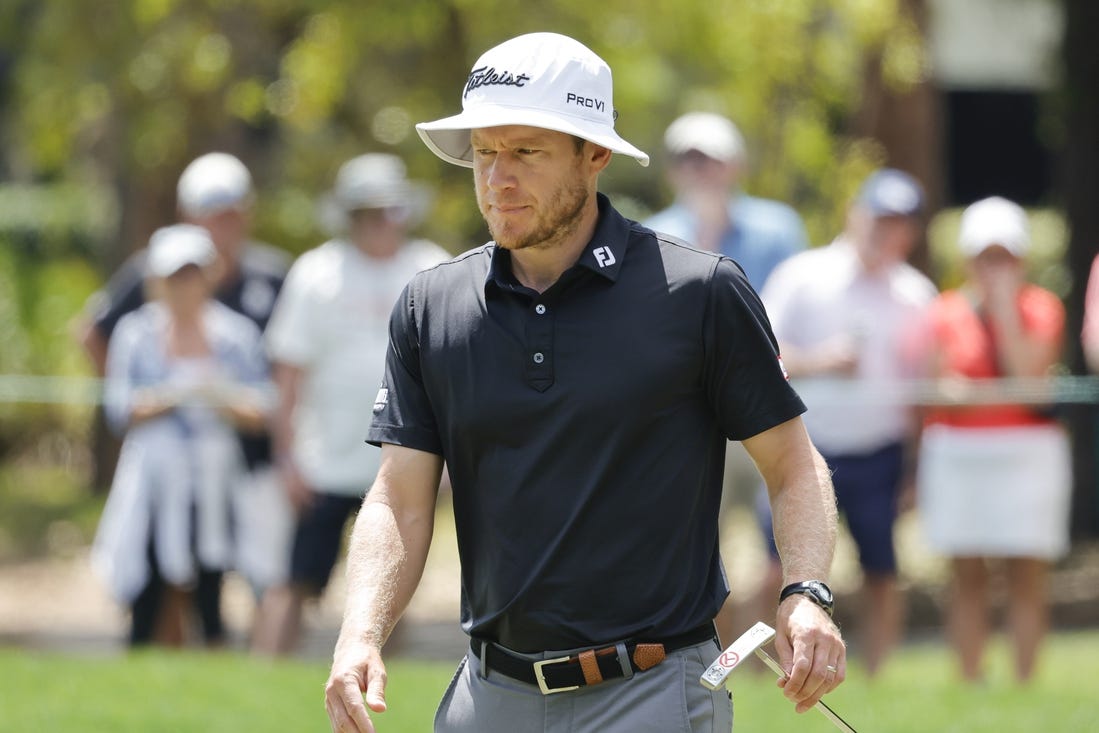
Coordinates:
x,y
357,668
811,651
298,491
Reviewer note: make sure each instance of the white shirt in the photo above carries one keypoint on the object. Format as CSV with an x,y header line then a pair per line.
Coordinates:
x,y
332,321
825,294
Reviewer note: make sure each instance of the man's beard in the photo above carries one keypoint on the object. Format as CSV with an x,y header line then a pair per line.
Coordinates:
x,y
551,226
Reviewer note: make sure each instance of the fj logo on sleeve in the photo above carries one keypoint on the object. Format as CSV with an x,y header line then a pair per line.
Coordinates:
x,y
381,400
604,256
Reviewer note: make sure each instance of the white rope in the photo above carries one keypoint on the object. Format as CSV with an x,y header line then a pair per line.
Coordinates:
x,y
57,390
37,389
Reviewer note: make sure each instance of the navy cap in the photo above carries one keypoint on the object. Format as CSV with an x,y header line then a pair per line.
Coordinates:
x,y
890,192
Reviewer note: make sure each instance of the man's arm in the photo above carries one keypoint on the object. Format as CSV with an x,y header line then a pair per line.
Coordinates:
x,y
385,560
803,506
288,380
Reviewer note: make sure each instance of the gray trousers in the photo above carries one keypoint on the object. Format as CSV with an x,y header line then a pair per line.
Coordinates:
x,y
665,699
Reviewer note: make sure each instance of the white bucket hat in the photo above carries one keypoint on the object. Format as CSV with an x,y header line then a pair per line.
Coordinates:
x,y
172,248
541,80
373,181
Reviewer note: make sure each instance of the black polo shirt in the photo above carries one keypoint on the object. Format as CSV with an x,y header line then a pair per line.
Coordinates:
x,y
584,429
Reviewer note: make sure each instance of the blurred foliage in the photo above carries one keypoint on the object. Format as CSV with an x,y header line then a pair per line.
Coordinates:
x,y
45,510
122,95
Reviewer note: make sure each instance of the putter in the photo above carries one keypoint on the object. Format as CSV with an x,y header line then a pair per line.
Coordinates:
x,y
751,641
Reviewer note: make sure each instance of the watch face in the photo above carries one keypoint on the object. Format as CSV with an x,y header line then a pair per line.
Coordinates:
x,y
822,590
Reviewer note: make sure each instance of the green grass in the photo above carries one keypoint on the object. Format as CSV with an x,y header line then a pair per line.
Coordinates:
x,y
161,691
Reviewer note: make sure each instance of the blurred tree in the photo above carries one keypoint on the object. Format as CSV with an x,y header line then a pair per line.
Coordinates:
x,y
124,94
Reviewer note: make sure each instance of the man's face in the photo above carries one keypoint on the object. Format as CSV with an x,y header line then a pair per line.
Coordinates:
x,y
883,241
694,172
532,184
186,290
228,230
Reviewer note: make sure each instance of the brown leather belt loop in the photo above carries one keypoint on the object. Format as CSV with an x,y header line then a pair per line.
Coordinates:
x,y
647,656
590,667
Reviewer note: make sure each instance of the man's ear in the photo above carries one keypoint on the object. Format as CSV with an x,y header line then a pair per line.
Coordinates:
x,y
597,156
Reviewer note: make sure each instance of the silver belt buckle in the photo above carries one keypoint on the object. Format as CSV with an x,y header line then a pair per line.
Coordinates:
x,y
541,677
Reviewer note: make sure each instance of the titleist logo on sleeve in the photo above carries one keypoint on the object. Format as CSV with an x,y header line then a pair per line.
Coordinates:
x,y
489,76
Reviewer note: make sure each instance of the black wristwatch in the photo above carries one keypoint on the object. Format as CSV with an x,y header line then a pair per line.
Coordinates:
x,y
816,590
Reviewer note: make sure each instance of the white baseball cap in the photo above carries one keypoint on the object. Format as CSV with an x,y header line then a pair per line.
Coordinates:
x,y
544,80
710,134
891,192
174,247
373,181
994,221
213,183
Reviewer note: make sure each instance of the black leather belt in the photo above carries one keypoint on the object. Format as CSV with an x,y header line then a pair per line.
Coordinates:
x,y
589,667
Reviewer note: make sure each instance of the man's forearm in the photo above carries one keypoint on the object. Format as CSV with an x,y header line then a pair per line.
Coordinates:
x,y
805,523
386,559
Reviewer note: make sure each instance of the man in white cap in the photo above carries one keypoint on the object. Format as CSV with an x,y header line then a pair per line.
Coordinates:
x,y
327,340
579,375
706,162
215,192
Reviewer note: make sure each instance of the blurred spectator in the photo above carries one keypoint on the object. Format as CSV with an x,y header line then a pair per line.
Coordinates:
x,y
841,315
707,159
215,192
183,372
327,341
995,480
1090,334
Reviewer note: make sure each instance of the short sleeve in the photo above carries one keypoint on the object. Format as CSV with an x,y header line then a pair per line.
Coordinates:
x,y
403,413
290,335
124,293
744,376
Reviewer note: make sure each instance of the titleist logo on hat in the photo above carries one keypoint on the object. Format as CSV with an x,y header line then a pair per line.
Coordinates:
x,y
488,76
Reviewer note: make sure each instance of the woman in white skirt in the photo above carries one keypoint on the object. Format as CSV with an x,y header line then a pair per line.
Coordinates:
x,y
994,480
183,373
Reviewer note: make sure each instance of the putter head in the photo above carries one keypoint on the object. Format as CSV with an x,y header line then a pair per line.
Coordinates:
x,y
738,651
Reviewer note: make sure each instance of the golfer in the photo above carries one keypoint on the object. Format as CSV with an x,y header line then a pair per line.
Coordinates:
x,y
579,375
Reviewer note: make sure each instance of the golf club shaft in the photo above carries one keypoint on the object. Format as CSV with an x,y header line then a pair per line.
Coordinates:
x,y
824,709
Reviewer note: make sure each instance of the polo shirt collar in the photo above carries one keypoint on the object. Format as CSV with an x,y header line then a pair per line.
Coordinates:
x,y
603,255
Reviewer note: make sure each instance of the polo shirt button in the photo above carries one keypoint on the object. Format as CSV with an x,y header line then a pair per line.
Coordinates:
x,y
540,309
539,357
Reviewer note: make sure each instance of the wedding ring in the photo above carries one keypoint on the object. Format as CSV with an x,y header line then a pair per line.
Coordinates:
x,y
831,669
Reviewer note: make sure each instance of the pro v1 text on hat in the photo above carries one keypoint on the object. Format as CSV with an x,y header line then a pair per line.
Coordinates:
x,y
541,80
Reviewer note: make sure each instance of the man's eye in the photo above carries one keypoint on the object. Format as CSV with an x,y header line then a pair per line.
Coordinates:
x,y
526,151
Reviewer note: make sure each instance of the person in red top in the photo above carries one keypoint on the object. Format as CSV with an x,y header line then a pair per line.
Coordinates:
x,y
994,479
